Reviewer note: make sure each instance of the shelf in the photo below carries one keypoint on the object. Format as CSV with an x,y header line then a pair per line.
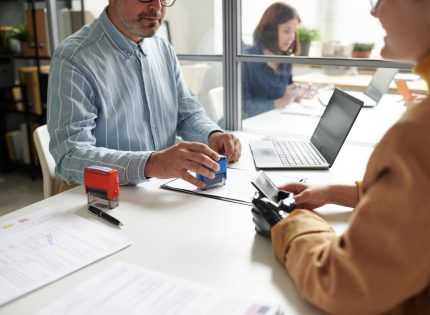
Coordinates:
x,y
16,129
23,106
31,57
19,112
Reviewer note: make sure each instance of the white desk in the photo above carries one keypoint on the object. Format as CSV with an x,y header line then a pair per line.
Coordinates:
x,y
368,129
358,82
207,241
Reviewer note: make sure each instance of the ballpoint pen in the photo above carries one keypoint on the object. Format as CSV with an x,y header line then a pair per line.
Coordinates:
x,y
104,215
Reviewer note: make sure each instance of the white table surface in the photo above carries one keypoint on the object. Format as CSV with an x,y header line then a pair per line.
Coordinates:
x,y
207,241
369,127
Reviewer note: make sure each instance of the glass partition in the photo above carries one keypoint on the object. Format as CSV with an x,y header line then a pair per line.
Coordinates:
x,y
196,31
378,87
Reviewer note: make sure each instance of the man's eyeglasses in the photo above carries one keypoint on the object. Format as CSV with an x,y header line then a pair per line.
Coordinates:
x,y
164,3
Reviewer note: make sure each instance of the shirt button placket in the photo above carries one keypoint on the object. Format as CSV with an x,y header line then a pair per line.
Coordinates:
x,y
149,96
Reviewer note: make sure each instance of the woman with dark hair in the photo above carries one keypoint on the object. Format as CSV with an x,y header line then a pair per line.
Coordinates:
x,y
269,85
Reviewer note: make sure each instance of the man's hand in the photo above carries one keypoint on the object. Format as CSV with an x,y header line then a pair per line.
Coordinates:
x,y
180,159
226,144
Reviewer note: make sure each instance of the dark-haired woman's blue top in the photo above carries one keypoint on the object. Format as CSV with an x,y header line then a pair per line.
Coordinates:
x,y
262,85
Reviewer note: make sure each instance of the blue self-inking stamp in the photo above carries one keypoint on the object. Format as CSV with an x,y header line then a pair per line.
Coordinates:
x,y
220,176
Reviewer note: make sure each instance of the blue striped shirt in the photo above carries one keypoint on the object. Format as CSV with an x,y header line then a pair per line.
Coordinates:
x,y
112,102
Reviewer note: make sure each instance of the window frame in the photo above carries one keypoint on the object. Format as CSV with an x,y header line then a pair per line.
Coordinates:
x,y
232,58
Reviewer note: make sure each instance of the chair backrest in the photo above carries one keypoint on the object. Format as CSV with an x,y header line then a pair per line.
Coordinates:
x,y
216,96
47,162
194,76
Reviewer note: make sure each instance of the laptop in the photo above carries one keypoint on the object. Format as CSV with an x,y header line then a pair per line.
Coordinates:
x,y
321,151
372,95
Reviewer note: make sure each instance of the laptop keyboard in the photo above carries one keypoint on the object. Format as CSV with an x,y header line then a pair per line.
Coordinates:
x,y
297,152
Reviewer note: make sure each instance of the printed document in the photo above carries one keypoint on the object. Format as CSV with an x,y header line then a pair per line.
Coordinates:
x,y
127,289
46,245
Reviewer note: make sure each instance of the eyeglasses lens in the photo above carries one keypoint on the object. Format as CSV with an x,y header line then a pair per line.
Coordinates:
x,y
166,3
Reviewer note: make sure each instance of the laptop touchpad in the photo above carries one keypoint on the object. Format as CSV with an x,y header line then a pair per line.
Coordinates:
x,y
264,154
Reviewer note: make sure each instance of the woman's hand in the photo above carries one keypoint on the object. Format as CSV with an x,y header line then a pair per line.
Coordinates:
x,y
307,196
294,93
314,196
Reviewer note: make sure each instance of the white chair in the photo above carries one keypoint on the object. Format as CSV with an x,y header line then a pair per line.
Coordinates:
x,y
194,76
216,109
51,183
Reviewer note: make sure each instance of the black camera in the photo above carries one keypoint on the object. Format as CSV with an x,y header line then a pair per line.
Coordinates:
x,y
268,192
270,205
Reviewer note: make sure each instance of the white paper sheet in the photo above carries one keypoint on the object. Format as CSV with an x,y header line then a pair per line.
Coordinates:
x,y
46,245
127,289
238,187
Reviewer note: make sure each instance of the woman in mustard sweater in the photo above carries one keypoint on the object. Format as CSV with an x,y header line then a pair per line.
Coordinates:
x,y
381,264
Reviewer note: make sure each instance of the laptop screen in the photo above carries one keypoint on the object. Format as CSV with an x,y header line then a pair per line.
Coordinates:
x,y
380,82
335,124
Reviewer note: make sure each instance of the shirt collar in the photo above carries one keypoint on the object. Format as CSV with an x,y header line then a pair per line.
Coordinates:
x,y
124,44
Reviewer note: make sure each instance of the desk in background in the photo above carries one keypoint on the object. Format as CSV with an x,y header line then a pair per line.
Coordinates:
x,y
203,240
368,129
358,82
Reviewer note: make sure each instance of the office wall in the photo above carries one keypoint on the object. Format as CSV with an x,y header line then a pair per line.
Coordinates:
x,y
192,26
94,6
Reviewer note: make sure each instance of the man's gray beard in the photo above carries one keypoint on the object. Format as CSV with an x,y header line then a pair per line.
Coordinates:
x,y
134,29
148,33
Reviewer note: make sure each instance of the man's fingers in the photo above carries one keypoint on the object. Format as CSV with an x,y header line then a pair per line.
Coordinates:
x,y
232,148
228,149
203,148
237,151
200,153
191,179
200,169
202,161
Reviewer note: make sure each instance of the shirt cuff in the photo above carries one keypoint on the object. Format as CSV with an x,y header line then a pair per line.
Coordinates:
x,y
298,223
211,132
136,167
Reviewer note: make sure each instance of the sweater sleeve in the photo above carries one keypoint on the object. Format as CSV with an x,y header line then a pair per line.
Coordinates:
x,y
382,260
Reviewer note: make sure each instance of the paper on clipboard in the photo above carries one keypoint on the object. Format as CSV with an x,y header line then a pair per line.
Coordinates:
x,y
238,187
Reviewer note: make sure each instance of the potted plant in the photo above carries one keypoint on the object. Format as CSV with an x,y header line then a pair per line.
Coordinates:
x,y
305,36
17,35
362,50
